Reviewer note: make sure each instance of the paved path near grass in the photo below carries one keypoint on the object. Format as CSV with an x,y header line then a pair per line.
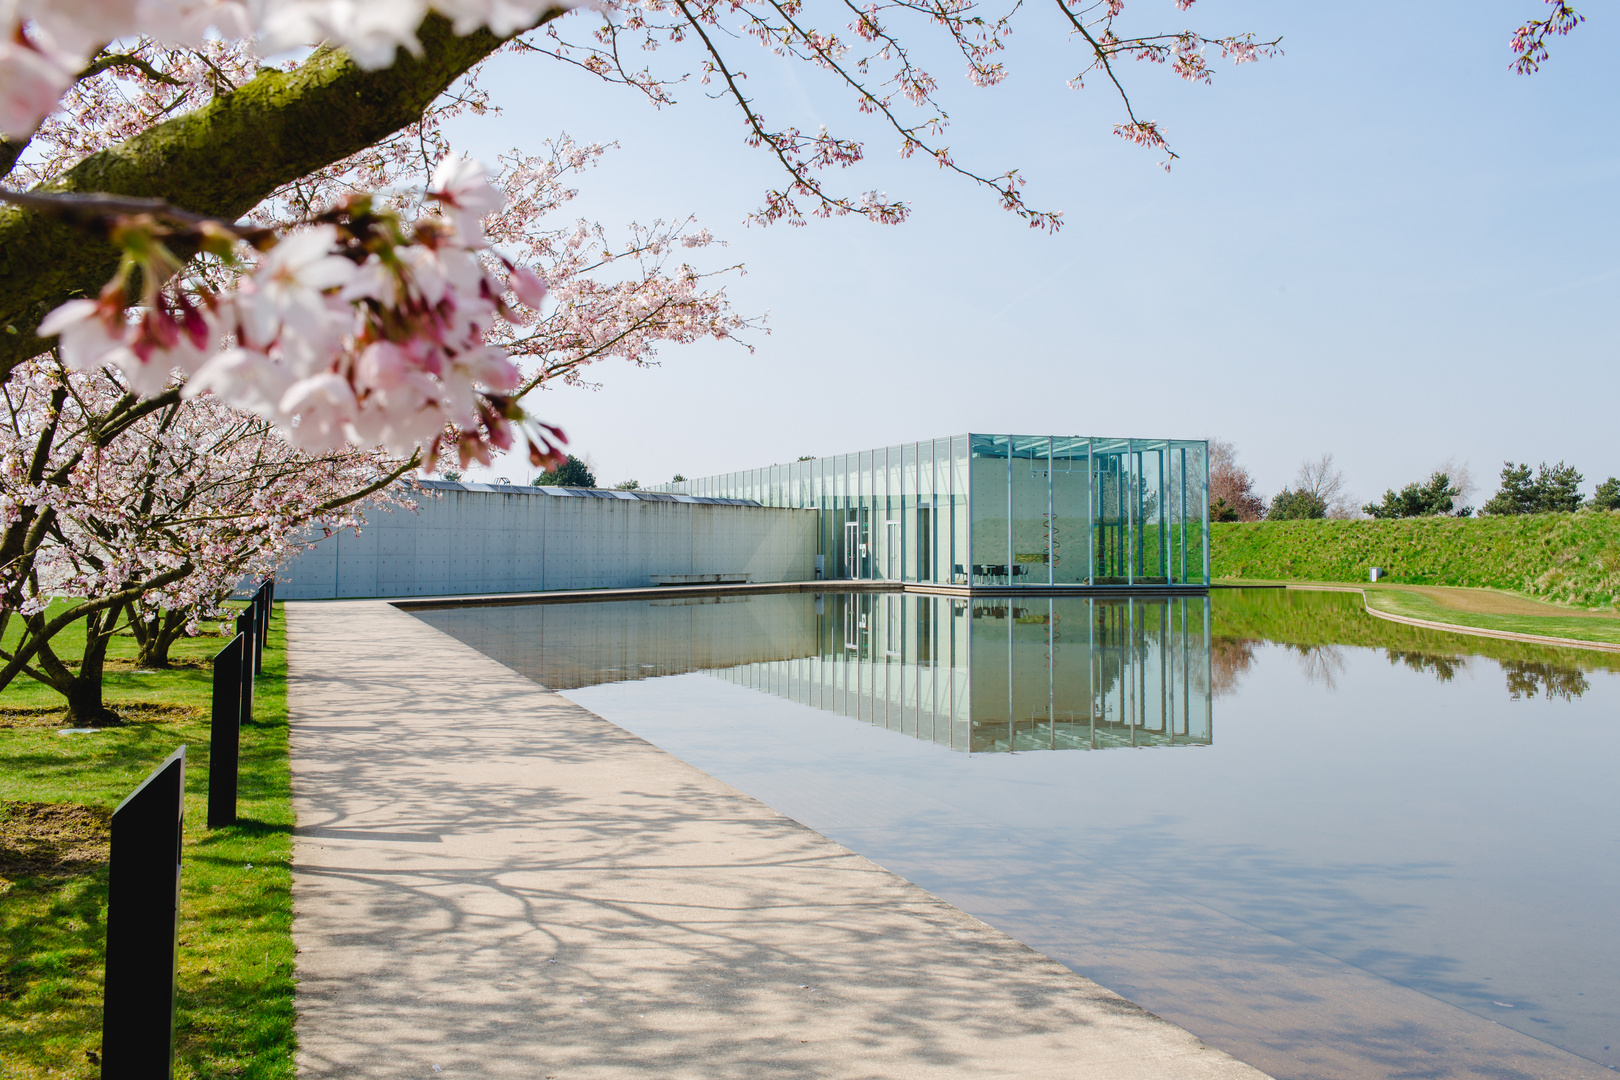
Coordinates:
x,y
491,881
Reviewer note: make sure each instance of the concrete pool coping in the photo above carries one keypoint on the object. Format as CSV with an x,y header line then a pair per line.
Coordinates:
x,y
489,880
642,592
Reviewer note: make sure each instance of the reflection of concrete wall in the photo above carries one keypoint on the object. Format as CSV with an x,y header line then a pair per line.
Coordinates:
x,y
562,646
465,540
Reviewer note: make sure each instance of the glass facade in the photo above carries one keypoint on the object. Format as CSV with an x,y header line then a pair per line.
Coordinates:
x,y
999,510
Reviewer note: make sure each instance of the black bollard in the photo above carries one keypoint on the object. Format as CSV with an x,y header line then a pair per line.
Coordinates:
x,y
261,618
246,626
143,927
224,734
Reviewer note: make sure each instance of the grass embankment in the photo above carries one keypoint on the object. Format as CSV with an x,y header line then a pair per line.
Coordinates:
x,y
235,1009
1551,575
1565,558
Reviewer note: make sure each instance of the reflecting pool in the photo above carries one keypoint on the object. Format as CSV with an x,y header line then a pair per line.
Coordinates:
x,y
1351,848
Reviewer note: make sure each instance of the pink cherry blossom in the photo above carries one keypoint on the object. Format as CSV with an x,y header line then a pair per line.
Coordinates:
x,y
31,83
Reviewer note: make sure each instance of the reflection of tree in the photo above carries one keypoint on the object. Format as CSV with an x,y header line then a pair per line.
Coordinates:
x,y
1229,660
1524,678
1445,667
1320,663
1298,617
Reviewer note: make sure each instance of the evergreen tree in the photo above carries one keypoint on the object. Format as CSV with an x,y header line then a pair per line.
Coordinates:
x,y
1554,490
1558,489
1298,505
572,473
1518,493
1607,495
1420,500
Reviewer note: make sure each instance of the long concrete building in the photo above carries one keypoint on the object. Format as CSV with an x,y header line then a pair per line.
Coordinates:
x,y
466,538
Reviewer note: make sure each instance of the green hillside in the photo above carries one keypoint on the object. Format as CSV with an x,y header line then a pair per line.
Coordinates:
x,y
1566,558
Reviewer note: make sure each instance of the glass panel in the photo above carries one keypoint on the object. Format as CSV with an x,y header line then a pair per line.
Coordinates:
x,y
1152,526
910,558
895,528
1110,518
1071,511
1031,511
990,542
959,514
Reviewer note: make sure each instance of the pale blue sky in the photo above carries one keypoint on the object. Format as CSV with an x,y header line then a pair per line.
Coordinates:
x,y
1383,244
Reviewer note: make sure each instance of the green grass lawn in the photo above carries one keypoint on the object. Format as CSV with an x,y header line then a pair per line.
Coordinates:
x,y
235,1014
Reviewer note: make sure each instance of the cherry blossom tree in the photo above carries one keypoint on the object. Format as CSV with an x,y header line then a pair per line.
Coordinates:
x,y
151,528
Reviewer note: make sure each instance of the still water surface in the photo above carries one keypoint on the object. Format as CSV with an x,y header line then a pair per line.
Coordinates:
x,y
1331,845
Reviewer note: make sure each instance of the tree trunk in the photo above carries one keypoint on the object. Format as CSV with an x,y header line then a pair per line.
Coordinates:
x,y
82,688
154,636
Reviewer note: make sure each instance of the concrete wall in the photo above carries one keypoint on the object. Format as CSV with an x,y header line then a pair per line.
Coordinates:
x,y
479,538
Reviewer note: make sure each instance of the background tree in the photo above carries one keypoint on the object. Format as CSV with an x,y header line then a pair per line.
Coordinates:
x,y
1560,488
1325,482
571,473
1554,490
1435,497
627,485
1607,495
1231,489
1297,505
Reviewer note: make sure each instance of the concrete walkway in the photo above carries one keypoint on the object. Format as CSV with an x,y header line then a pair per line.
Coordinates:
x,y
491,881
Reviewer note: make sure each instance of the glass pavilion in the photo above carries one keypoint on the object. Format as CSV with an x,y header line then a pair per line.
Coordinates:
x,y
999,510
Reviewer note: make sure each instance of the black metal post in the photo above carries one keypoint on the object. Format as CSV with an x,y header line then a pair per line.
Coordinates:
x,y
143,927
245,626
261,601
224,734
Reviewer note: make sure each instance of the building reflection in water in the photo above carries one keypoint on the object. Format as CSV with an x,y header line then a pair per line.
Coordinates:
x,y
1025,673
980,675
